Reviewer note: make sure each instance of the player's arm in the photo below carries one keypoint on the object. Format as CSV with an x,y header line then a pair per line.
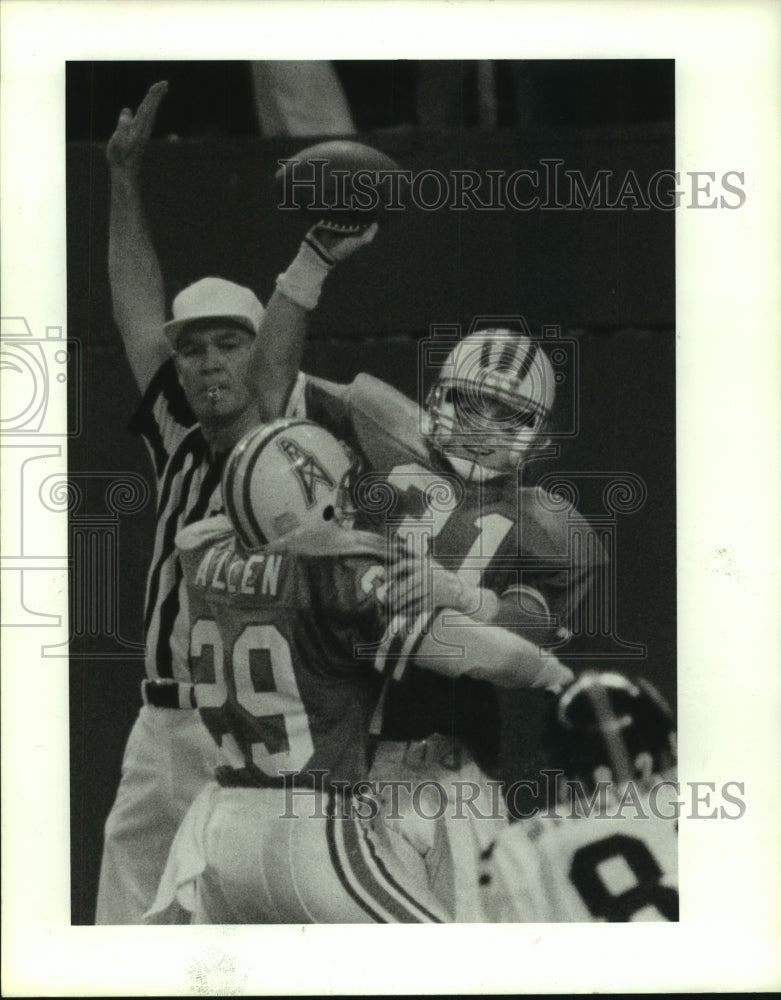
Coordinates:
x,y
283,331
456,646
137,292
421,583
521,608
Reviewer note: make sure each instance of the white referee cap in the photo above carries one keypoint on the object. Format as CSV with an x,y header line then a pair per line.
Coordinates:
x,y
214,298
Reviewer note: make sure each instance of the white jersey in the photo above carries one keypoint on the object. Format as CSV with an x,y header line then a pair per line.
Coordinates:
x,y
583,868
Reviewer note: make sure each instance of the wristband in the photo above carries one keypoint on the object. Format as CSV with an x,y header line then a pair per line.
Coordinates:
x,y
302,282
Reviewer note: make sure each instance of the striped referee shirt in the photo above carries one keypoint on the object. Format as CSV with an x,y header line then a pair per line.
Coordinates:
x,y
188,489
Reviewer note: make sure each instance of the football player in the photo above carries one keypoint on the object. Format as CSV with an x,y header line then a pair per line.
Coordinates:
x,y
282,596
609,851
448,479
200,395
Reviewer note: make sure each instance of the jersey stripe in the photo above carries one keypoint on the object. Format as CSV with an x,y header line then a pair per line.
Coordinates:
x,y
385,666
210,484
168,608
187,485
167,523
393,636
164,404
411,644
171,605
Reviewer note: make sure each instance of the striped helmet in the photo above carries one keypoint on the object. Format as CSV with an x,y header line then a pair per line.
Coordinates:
x,y
492,400
607,720
284,477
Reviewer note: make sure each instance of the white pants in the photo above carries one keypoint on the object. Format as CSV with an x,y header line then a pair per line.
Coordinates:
x,y
169,758
449,811
237,858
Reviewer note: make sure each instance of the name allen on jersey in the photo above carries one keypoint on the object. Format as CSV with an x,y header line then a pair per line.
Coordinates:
x,y
224,569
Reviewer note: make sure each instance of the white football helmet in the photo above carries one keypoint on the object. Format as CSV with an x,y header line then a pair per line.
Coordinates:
x,y
284,477
491,403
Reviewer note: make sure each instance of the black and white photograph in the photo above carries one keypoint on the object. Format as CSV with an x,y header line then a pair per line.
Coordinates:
x,y
465,432
371,507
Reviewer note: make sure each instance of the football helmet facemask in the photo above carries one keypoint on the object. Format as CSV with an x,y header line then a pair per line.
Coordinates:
x,y
288,476
491,403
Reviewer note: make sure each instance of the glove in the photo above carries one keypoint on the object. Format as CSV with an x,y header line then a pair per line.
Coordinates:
x,y
324,245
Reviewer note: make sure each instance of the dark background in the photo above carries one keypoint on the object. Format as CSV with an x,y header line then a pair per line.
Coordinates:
x,y
606,277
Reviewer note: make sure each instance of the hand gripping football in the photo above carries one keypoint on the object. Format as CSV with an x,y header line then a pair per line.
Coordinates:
x,y
346,184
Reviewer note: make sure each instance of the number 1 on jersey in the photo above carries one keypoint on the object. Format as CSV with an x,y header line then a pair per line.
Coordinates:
x,y
491,529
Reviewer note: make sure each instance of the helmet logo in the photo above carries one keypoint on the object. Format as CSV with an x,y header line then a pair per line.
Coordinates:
x,y
308,471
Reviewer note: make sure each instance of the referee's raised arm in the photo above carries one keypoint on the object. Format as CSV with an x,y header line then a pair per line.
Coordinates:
x,y
137,292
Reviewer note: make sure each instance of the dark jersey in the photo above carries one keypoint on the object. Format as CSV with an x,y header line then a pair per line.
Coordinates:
x,y
272,652
515,540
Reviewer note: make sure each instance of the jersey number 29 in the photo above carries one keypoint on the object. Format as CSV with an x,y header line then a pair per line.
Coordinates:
x,y
278,713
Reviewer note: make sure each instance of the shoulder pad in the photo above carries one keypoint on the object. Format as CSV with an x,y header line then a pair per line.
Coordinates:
x,y
209,530
386,423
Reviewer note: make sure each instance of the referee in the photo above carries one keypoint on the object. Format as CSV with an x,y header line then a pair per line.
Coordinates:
x,y
206,377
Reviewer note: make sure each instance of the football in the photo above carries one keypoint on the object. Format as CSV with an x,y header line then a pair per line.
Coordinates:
x,y
344,182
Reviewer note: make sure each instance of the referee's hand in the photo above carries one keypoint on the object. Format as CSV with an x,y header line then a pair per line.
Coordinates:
x,y
127,145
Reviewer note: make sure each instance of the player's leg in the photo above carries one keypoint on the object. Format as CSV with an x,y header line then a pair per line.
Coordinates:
x,y
369,869
169,757
320,865
448,810
518,884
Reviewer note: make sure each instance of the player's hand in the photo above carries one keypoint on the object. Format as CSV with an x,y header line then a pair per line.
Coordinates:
x,y
324,245
338,241
127,145
555,676
419,583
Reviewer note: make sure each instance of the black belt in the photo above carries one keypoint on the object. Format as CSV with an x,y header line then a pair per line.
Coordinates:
x,y
168,694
